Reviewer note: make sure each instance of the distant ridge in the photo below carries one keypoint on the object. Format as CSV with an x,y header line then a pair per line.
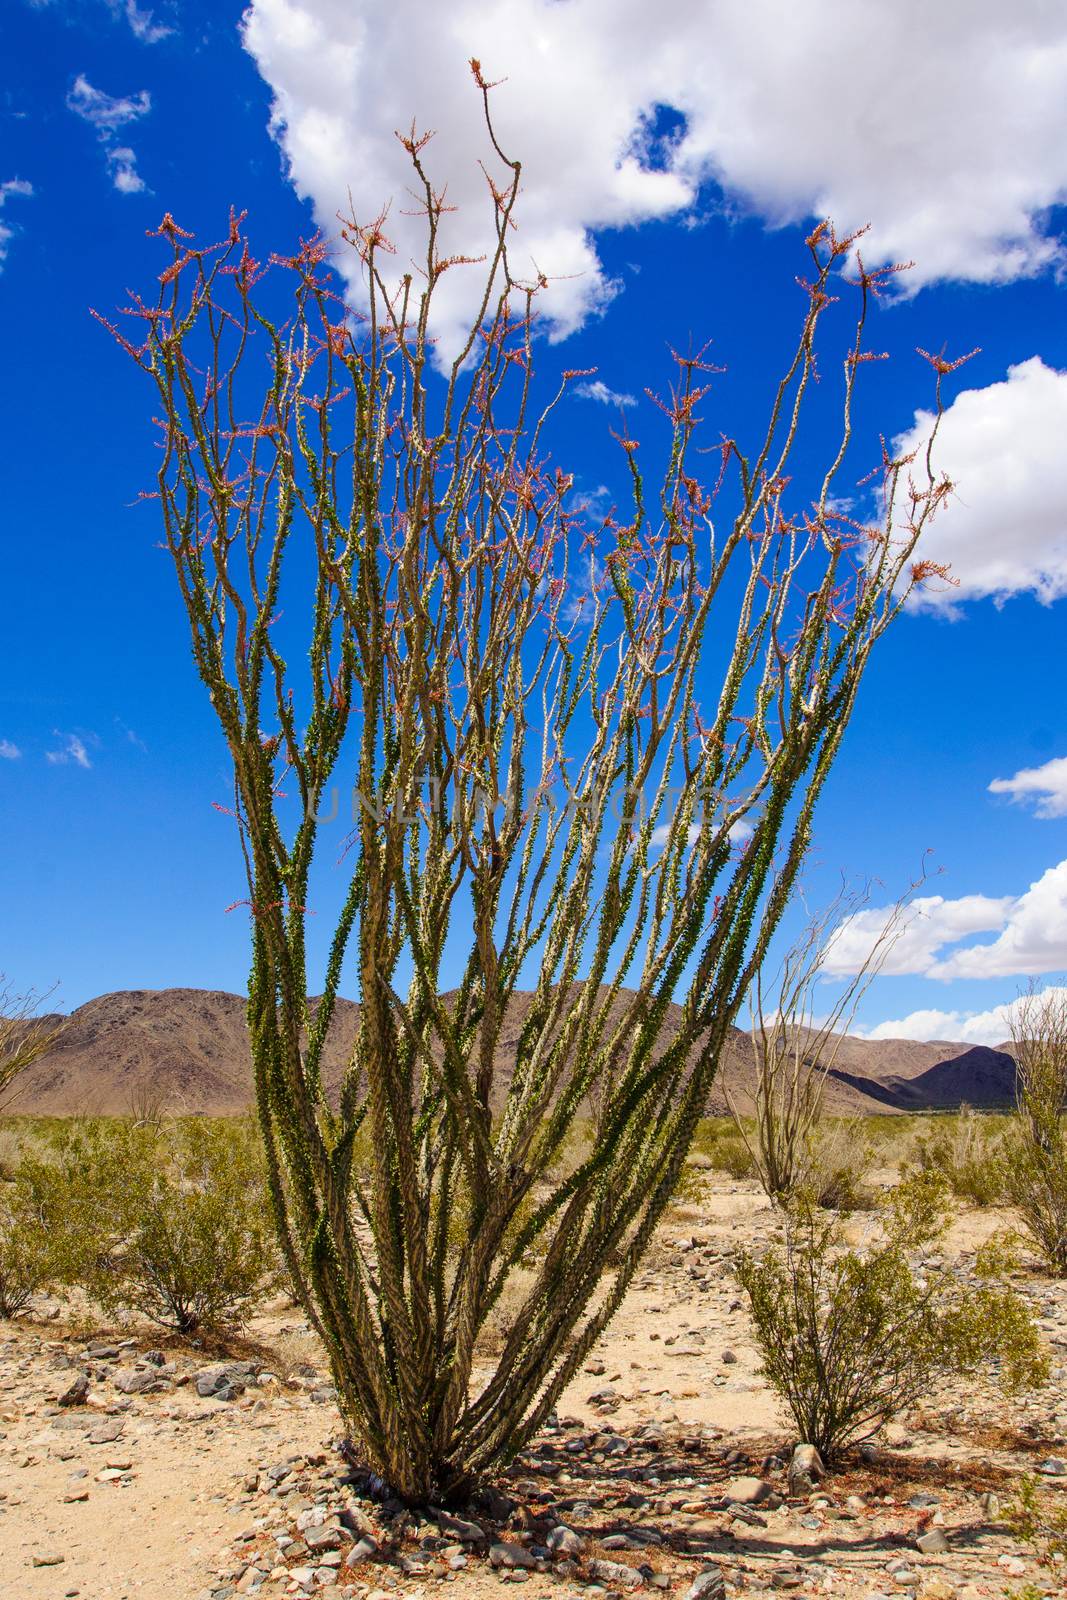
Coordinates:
x,y
187,1050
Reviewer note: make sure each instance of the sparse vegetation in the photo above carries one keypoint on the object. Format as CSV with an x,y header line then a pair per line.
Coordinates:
x,y
965,1149
1038,1521
27,1248
168,1218
793,1051
24,1038
851,1337
1034,1167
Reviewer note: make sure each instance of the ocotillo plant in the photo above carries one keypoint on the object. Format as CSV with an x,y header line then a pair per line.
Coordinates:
x,y
501,709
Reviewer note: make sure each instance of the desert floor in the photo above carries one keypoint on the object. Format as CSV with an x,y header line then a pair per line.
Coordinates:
x,y
149,1488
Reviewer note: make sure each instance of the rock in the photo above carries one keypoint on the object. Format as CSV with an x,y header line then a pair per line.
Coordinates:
x,y
76,1394
746,1491
990,1504
320,1539
936,1589
364,1549
729,1358
707,1585
458,1528
133,1380
805,1469
1054,1467
107,1432
615,1575
48,1558
225,1381
507,1554
563,1541
932,1542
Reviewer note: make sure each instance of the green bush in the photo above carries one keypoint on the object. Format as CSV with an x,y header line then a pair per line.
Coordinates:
x,y
726,1148
1034,1178
170,1219
964,1149
850,1338
27,1255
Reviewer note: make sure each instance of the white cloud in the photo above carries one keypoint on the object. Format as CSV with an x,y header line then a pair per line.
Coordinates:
x,y
122,164
929,923
9,189
1004,532
142,24
598,390
943,125
1046,786
72,751
9,751
990,1027
107,114
1034,938
1031,933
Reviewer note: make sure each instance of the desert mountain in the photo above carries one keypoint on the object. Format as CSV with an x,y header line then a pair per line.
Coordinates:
x,y
187,1050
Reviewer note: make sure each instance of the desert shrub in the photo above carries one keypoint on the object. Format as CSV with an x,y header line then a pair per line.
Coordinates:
x,y
536,792
832,1168
1034,1168
1034,1179
1037,1521
851,1337
27,1255
718,1139
964,1149
169,1218
25,1036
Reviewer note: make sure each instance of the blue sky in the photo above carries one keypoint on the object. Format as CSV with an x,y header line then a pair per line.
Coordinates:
x,y
671,174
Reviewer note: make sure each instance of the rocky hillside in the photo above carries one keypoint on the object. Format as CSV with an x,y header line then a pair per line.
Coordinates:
x,y
187,1049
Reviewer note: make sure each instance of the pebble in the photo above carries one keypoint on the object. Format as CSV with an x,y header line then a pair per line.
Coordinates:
x,y
506,1554
747,1491
707,1585
76,1394
563,1541
613,1573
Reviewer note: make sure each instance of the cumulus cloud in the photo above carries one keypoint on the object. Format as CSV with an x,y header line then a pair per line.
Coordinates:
x,y
107,114
1044,786
9,189
598,390
1004,532
1034,938
929,923
71,752
956,116
990,1027
1031,931
9,751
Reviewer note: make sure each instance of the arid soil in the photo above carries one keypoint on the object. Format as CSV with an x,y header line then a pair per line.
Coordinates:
x,y
188,1473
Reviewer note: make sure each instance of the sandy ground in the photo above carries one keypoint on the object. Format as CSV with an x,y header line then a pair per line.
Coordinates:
x,y
163,1492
